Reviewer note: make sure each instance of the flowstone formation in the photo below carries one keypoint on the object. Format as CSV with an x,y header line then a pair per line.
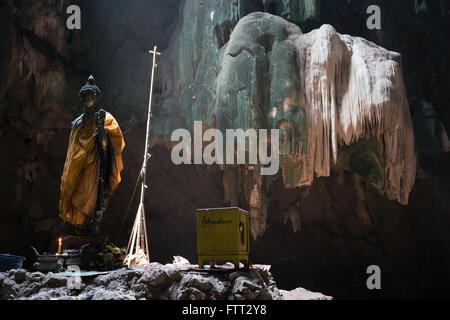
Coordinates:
x,y
339,102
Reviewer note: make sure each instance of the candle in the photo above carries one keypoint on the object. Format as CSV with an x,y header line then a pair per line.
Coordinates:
x,y
59,246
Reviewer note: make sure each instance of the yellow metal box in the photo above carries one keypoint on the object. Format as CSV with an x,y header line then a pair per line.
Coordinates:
x,y
223,234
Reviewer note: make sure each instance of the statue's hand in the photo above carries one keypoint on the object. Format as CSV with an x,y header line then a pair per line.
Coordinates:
x,y
100,117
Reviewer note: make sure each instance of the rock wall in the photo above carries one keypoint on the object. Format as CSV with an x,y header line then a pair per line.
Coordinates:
x,y
324,90
43,65
294,11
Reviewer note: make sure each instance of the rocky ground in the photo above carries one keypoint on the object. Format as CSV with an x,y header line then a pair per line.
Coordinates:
x,y
155,282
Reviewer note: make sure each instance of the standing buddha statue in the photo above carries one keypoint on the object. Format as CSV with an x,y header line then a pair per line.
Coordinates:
x,y
93,164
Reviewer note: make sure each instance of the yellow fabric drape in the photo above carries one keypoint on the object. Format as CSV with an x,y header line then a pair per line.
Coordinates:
x,y
79,182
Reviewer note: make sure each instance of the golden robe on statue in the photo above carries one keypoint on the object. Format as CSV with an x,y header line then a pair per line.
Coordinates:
x,y
79,182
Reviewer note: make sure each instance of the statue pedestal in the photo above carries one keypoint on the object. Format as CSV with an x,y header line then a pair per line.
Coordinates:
x,y
76,242
92,254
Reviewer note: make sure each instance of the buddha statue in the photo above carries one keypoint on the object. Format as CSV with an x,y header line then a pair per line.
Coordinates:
x,y
93,164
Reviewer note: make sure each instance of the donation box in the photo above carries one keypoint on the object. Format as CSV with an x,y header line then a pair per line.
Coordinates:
x,y
223,235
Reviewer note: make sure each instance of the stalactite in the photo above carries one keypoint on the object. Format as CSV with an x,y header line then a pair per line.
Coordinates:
x,y
353,89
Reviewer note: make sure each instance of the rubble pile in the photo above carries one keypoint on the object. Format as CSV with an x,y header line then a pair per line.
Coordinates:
x,y
155,282
303,295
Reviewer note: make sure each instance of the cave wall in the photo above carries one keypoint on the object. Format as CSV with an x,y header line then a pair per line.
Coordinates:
x,y
43,66
322,237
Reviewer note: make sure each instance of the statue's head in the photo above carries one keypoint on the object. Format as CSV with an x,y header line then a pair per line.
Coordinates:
x,y
90,94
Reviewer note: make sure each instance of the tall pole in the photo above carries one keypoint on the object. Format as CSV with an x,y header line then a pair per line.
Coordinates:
x,y
147,137
138,239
